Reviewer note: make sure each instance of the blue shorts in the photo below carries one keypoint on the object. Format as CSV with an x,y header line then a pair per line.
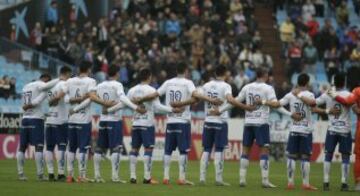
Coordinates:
x,y
31,132
178,135
79,136
333,138
142,136
215,134
259,133
110,135
299,143
56,135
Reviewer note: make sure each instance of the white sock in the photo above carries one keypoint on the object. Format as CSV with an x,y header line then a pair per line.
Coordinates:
x,y
49,157
244,163
182,166
133,161
264,166
327,166
167,161
70,163
60,157
291,167
115,164
82,161
344,172
39,160
20,157
97,163
305,170
219,166
204,162
147,167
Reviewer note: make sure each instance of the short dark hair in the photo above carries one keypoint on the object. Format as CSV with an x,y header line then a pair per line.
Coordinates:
x,y
113,70
303,79
220,70
181,68
261,72
144,74
85,66
45,76
65,69
339,80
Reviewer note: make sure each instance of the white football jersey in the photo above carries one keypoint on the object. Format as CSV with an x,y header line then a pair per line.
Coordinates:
x,y
296,105
337,123
216,89
146,119
33,91
251,92
110,91
78,87
177,89
58,114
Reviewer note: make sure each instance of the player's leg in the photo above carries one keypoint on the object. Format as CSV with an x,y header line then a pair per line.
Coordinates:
x,y
292,155
345,144
73,145
208,138
330,144
37,139
305,151
20,155
183,144
136,142
50,146
100,150
248,139
170,146
262,134
148,137
115,138
221,141
61,140
84,137
357,157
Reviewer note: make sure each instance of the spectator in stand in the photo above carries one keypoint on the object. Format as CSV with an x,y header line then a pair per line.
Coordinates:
x,y
319,7
355,55
235,6
72,14
295,58
308,10
241,79
332,62
287,33
310,57
5,87
246,57
52,15
342,14
197,57
36,36
357,6
172,26
313,27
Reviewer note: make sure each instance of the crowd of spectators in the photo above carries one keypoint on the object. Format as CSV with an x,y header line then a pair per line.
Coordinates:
x,y
159,34
305,41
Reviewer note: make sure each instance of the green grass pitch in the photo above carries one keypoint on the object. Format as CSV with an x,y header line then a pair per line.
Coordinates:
x,y
10,186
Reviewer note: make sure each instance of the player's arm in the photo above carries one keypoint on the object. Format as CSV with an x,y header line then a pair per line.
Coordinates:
x,y
81,106
295,116
200,96
55,100
190,101
231,100
166,109
116,107
95,98
48,85
146,98
78,100
307,100
39,99
331,111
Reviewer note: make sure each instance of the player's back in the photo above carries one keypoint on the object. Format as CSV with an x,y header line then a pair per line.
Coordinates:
x,y
253,91
78,87
110,91
296,105
29,93
57,114
340,122
176,90
146,119
216,89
